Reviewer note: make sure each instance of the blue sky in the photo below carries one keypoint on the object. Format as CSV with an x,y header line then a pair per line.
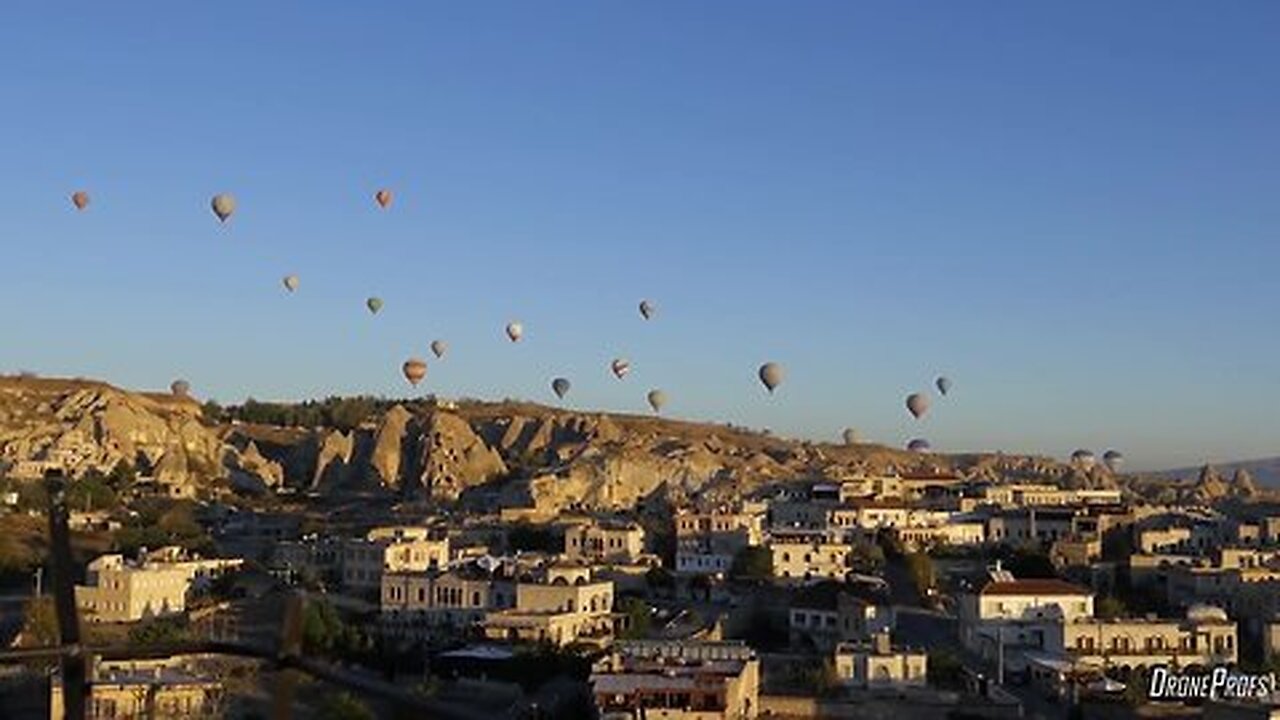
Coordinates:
x,y
1071,210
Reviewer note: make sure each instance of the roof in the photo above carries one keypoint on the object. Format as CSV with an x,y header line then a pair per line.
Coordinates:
x,y
825,595
480,652
1046,586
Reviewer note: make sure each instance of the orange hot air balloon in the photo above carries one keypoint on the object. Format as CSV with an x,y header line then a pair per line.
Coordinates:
x,y
383,197
415,369
80,199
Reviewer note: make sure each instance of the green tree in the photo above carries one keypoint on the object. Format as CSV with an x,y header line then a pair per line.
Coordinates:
x,y
40,622
90,492
920,569
639,621
322,628
534,538
819,679
752,563
212,412
659,578
945,669
867,556
1030,563
1110,607
343,706
159,631
123,475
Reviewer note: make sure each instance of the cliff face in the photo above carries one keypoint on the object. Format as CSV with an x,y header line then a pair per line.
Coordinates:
x,y
506,454
454,457
81,426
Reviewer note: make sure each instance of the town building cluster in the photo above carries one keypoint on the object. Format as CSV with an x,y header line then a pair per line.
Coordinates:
x,y
843,573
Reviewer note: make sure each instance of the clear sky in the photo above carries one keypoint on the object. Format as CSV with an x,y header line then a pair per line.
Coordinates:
x,y
1071,209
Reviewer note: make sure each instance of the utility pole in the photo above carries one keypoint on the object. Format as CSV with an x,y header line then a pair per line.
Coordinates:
x,y
1000,655
73,666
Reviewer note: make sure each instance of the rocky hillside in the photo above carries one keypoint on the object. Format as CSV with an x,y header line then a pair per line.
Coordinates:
x,y
77,426
532,456
1265,472
493,454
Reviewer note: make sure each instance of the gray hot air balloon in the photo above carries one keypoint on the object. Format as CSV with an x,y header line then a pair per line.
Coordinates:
x,y
515,331
771,375
291,282
620,367
439,348
223,205
1084,459
560,386
944,384
414,369
850,436
657,399
180,388
918,404
647,309
1114,460
374,304
919,445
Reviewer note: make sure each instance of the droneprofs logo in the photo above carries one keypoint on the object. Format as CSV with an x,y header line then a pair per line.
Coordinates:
x,y
1219,684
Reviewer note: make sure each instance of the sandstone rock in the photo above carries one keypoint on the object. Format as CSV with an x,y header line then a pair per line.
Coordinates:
x,y
387,456
454,457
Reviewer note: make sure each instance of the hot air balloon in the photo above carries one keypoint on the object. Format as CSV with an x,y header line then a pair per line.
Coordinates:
x,y
383,197
80,199
515,331
771,375
291,282
657,399
1084,459
1114,460
620,367
647,309
415,369
223,205
944,384
850,436
374,304
918,404
180,388
439,348
560,386
919,445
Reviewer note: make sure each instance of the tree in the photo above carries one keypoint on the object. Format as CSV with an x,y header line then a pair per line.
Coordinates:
x,y
212,412
344,706
700,585
920,569
1110,607
529,537
40,622
638,618
90,492
1030,563
752,563
159,631
122,475
867,556
945,670
322,629
659,578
